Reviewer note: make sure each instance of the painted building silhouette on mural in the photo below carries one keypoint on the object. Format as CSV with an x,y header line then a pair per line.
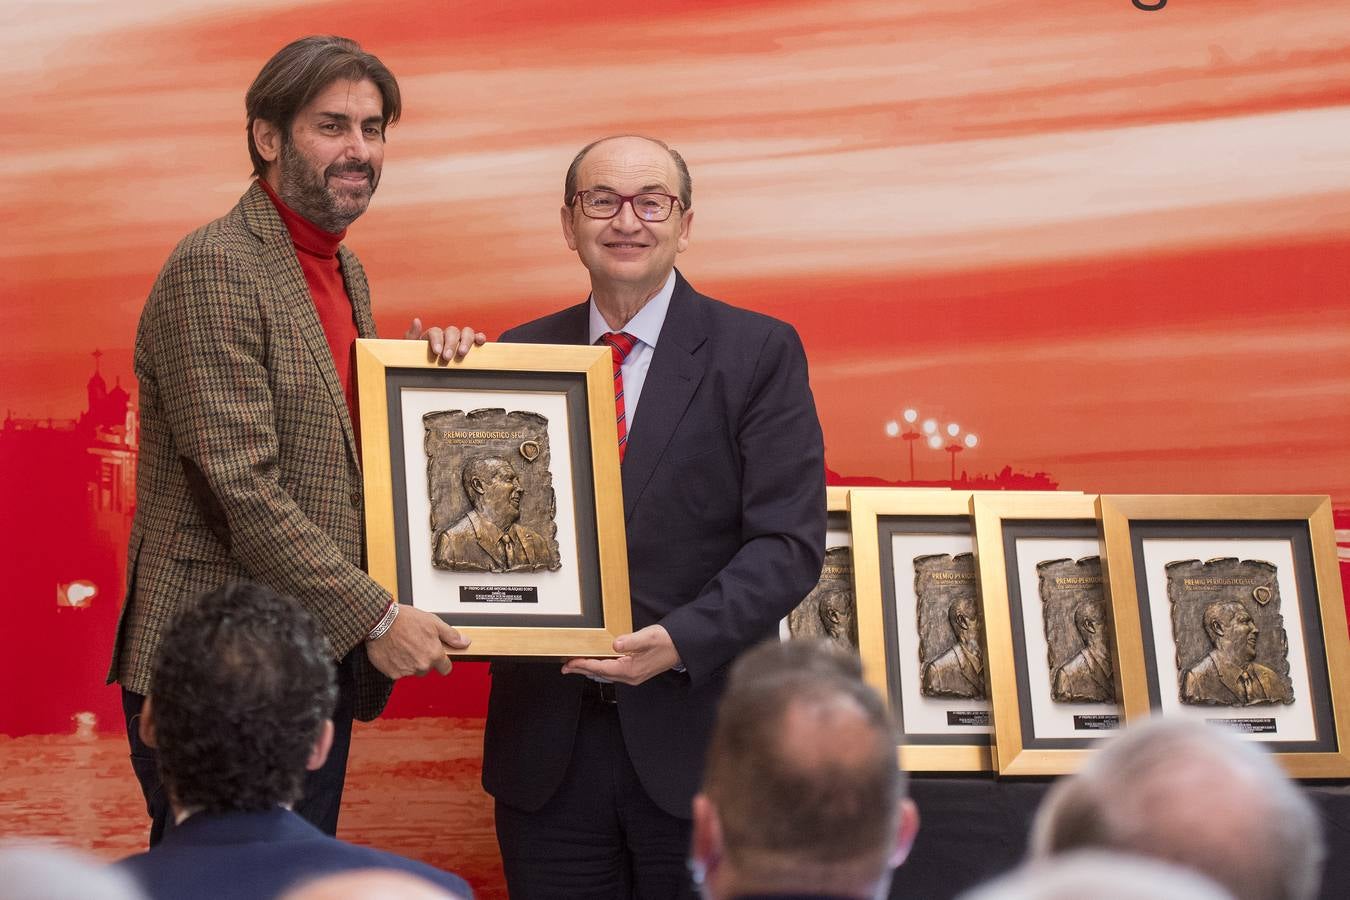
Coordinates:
x,y
1004,480
66,502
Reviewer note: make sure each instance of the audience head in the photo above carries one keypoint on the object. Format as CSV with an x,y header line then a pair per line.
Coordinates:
x,y
1192,795
1101,876
241,697
35,872
369,884
802,792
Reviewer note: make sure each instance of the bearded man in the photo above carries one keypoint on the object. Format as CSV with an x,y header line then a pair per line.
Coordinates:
x,y
249,464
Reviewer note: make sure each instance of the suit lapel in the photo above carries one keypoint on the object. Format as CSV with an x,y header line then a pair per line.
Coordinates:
x,y
676,370
1229,682
278,254
358,291
492,549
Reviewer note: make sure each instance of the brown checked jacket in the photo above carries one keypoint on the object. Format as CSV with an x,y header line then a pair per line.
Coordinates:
x,y
248,464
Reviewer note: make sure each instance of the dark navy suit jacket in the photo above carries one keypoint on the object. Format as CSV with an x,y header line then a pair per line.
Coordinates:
x,y
257,855
724,505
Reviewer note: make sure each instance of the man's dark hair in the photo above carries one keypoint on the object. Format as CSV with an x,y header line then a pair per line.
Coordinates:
x,y
686,189
799,803
300,71
241,687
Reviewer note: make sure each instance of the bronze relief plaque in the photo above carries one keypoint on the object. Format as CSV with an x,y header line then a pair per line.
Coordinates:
x,y
830,610
1077,630
492,502
951,626
1232,648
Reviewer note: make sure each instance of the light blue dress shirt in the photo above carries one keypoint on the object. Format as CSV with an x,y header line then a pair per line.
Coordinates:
x,y
646,327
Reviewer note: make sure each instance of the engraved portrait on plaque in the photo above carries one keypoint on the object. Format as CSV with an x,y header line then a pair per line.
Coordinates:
x,y
1232,649
830,610
1076,633
951,630
491,491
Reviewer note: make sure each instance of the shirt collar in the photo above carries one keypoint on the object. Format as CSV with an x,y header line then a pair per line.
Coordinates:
x,y
646,325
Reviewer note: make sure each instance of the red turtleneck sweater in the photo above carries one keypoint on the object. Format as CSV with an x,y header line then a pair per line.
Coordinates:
x,y
316,250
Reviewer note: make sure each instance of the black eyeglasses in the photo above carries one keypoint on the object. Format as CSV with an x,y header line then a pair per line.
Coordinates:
x,y
606,205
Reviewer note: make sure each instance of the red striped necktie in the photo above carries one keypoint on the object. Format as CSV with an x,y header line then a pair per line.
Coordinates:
x,y
620,345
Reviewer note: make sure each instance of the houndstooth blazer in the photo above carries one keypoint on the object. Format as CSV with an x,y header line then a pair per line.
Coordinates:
x,y
248,465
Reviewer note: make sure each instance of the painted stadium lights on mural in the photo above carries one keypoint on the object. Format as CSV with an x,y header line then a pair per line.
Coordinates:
x,y
909,435
957,443
930,432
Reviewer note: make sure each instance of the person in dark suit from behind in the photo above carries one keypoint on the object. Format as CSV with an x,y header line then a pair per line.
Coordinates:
x,y
242,694
593,766
802,796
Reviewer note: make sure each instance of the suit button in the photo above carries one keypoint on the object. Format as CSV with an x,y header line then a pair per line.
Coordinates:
x,y
356,499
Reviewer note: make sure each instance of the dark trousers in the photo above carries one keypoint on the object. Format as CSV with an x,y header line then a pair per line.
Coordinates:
x,y
600,835
322,797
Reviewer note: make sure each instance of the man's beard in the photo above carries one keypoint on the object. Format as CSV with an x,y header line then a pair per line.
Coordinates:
x,y
311,196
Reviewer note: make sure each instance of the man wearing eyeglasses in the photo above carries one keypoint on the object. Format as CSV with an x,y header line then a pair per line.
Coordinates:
x,y
594,766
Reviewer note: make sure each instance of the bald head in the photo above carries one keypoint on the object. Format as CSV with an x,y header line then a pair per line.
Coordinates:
x,y
686,190
1190,794
820,729
369,884
802,785
1101,875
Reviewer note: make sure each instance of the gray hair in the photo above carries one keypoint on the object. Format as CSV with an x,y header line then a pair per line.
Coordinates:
x,y
30,871
1195,796
1102,876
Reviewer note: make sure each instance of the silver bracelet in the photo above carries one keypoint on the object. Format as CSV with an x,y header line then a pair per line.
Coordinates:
x,y
386,622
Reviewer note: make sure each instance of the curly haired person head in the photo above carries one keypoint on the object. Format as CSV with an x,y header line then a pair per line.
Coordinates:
x,y
241,699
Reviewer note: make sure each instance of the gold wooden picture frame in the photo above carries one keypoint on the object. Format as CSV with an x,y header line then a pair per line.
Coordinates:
x,y
1229,610
442,446
891,529
1050,664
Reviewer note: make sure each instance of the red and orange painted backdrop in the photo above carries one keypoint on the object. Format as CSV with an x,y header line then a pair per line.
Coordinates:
x,y
1114,244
